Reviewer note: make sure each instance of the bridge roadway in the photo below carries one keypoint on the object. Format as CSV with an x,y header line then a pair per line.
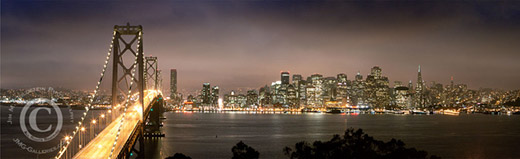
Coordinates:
x,y
101,145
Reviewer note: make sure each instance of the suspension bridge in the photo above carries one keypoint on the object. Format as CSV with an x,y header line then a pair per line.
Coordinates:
x,y
136,104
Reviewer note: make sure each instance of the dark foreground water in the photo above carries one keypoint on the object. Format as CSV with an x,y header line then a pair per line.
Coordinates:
x,y
212,135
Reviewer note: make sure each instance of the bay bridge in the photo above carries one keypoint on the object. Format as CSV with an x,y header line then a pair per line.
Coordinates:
x,y
136,107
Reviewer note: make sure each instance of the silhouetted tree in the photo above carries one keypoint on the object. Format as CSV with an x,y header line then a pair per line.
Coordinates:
x,y
242,151
178,156
354,144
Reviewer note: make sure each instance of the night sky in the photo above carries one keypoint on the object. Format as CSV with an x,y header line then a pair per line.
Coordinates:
x,y
245,44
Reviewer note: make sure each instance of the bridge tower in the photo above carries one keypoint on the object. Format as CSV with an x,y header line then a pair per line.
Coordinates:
x,y
127,55
152,81
151,73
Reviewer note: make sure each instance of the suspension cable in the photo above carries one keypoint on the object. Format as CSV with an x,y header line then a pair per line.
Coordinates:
x,y
87,107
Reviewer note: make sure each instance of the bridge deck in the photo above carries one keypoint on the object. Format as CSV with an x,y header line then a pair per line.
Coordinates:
x,y
101,145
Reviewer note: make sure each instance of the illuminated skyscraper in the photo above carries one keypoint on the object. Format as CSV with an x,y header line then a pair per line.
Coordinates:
x,y
206,94
291,98
173,83
420,82
342,87
419,90
356,93
314,91
329,89
264,96
402,97
377,91
214,95
285,78
299,87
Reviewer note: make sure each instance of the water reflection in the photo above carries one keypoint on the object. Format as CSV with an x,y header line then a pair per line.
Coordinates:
x,y
211,135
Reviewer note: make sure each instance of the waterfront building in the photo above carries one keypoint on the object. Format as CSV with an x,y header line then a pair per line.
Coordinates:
x,y
402,97
264,96
241,100
252,99
231,100
191,101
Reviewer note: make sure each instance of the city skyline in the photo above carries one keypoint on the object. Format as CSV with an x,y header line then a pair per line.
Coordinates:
x,y
240,45
373,91
304,77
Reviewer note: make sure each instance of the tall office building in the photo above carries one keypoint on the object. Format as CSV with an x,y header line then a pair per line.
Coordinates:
x,y
297,84
342,87
377,90
329,89
285,78
173,83
264,96
420,82
214,95
419,89
252,98
314,91
277,93
402,97
206,94
291,98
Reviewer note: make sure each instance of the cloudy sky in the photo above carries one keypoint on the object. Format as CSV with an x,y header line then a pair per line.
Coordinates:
x,y
245,44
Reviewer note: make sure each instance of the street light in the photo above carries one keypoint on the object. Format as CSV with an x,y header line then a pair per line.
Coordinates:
x,y
81,137
67,141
